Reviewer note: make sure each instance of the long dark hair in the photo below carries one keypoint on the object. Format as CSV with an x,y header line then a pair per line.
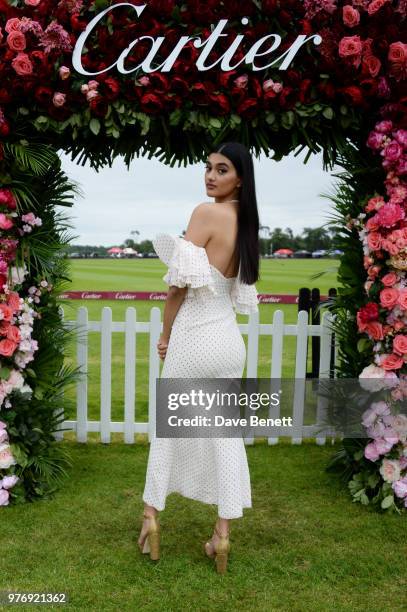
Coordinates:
x,y
248,216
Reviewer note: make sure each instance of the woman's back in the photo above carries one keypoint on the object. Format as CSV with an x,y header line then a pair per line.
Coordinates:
x,y
220,248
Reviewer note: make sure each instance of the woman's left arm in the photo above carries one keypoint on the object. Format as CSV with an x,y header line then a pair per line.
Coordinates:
x,y
175,297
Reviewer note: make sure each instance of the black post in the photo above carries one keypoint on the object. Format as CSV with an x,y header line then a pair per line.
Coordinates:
x,y
315,340
304,303
332,293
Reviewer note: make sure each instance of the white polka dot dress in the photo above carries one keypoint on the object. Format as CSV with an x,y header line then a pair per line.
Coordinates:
x,y
205,342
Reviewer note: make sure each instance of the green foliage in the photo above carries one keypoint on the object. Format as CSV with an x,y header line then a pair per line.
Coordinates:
x,y
40,186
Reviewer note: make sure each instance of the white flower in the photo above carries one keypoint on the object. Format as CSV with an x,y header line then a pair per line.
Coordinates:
x,y
390,470
6,457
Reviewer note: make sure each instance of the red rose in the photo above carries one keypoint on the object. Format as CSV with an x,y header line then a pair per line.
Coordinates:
x,y
224,78
179,86
304,94
112,89
150,103
78,25
372,64
5,96
43,95
99,106
353,94
7,199
159,82
4,129
219,104
369,312
200,92
287,97
248,108
172,102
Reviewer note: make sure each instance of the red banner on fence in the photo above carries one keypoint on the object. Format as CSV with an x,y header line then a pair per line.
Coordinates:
x,y
264,298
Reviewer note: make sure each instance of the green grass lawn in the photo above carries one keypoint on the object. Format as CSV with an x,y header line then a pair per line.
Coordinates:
x,y
277,276
302,546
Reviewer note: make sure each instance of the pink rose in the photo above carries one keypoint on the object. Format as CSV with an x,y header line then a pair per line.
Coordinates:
x,y
383,446
375,6
93,84
375,140
13,333
5,222
371,452
392,151
7,347
384,127
400,344
22,64
389,279
9,481
144,80
6,313
401,137
6,457
373,64
241,82
400,487
390,214
350,46
58,99
390,361
388,297
402,166
16,41
390,470
375,330
350,16
13,24
268,85
277,87
397,52
402,299
4,495
64,72
32,2
374,241
92,94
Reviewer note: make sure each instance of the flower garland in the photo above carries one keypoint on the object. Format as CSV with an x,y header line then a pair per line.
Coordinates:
x,y
382,321
17,315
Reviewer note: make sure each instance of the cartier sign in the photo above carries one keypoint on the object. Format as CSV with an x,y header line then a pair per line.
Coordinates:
x,y
262,48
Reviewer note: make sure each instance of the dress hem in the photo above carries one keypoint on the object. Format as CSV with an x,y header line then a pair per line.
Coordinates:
x,y
204,501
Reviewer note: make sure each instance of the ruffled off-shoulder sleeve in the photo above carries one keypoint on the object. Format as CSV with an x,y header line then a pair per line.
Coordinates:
x,y
244,297
188,264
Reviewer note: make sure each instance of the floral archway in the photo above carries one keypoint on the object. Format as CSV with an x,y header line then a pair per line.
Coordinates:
x,y
346,97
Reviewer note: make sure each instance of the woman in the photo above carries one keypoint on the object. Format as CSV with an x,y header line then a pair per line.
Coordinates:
x,y
211,273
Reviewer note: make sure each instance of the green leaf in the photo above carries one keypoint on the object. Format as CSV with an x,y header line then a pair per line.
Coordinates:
x,y
4,373
328,113
95,126
363,344
38,394
216,123
387,501
19,455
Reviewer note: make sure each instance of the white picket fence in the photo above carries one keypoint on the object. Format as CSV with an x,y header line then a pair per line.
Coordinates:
x,y
131,328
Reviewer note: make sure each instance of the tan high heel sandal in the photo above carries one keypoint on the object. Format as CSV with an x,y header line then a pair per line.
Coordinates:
x,y
220,555
152,541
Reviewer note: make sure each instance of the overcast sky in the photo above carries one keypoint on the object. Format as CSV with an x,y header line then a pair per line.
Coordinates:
x,y
152,197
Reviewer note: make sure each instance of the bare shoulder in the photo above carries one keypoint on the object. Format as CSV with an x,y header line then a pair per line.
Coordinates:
x,y
203,209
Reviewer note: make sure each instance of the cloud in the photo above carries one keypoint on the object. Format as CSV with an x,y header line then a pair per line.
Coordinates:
x,y
152,197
